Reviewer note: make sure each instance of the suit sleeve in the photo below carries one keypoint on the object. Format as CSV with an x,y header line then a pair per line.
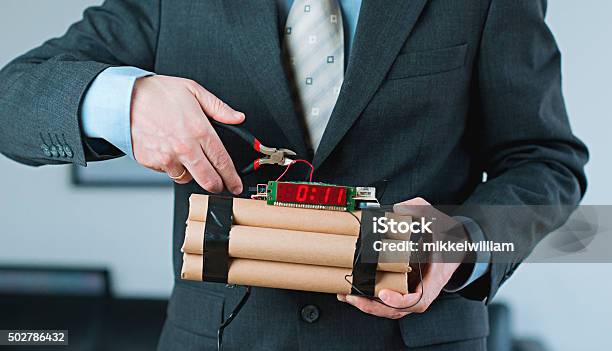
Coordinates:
x,y
533,161
41,92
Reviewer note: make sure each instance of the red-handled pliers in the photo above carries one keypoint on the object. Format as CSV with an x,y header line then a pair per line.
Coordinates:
x,y
274,156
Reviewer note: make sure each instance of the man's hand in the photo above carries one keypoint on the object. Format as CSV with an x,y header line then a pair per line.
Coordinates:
x,y
171,132
435,277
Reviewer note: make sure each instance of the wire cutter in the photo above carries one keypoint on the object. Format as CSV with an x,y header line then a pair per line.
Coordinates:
x,y
274,156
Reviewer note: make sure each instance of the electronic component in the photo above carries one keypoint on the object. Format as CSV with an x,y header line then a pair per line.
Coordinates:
x,y
365,193
366,197
262,192
316,195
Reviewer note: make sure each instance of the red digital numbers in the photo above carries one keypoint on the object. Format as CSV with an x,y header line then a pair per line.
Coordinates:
x,y
341,195
302,193
311,194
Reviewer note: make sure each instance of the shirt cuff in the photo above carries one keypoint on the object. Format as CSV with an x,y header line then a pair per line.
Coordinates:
x,y
105,112
474,270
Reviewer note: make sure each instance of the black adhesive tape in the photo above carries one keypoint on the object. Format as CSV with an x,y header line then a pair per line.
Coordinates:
x,y
364,270
219,218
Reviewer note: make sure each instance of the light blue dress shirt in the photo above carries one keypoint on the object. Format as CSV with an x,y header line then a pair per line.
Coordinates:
x,y
105,111
105,114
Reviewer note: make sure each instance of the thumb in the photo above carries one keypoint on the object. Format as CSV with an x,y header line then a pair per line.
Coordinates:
x,y
397,300
391,298
216,109
417,201
412,207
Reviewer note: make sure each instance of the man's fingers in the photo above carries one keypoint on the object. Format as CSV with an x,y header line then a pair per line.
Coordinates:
x,y
184,177
170,126
364,304
210,141
420,300
373,307
176,171
425,293
222,162
400,305
397,300
201,170
215,108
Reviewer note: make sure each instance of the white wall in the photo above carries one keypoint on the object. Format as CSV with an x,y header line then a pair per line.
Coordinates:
x,y
44,219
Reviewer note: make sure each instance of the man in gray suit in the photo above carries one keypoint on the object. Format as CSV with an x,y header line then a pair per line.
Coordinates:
x,y
420,97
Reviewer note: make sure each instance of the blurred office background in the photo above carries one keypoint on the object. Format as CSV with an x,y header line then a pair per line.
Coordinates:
x,y
45,219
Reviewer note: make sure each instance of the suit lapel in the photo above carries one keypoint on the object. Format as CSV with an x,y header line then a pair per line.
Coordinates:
x,y
382,29
254,26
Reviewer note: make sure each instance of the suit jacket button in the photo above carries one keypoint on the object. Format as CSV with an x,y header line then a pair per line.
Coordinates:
x,y
310,313
68,151
45,150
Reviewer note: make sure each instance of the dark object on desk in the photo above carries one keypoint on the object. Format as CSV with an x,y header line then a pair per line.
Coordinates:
x,y
95,324
54,281
78,301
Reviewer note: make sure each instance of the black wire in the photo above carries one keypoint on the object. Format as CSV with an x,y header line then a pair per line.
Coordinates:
x,y
377,299
354,215
231,317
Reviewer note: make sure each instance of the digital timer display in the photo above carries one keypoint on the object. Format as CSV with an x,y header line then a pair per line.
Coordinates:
x,y
319,196
312,194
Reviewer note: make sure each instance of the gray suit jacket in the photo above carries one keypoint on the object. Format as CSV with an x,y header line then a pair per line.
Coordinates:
x,y
436,93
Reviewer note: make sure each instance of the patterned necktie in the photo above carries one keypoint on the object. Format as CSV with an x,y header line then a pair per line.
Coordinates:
x,y
314,45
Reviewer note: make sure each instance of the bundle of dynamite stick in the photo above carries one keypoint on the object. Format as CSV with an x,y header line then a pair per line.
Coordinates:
x,y
286,248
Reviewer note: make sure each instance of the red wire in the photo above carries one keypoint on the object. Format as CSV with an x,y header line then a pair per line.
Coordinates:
x,y
294,162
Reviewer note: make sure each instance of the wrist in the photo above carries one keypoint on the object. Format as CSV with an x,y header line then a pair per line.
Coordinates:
x,y
106,107
475,263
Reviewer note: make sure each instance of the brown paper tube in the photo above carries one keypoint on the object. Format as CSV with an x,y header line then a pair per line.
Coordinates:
x,y
257,213
291,246
292,276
